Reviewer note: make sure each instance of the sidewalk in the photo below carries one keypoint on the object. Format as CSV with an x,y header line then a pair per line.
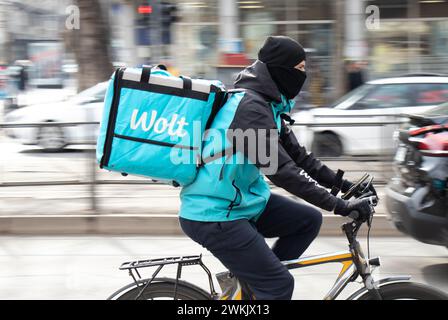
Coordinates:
x,y
118,208
110,199
122,209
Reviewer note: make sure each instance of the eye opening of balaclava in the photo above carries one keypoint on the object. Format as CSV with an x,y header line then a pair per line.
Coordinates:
x,y
281,54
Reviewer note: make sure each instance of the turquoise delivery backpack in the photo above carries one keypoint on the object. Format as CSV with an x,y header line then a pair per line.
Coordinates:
x,y
153,123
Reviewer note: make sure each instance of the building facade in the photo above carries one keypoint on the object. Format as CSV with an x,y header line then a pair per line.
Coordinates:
x,y
391,37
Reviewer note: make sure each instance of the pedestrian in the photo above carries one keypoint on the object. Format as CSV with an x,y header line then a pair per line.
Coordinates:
x,y
23,78
355,75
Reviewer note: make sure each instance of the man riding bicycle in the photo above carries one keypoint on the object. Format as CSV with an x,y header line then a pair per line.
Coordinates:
x,y
230,210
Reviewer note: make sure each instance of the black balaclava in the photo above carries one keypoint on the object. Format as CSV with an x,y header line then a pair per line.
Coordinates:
x,y
281,54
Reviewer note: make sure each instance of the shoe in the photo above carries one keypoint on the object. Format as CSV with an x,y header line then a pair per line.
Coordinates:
x,y
232,288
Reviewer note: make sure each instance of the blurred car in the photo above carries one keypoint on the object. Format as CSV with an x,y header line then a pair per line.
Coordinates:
x,y
382,100
417,197
84,107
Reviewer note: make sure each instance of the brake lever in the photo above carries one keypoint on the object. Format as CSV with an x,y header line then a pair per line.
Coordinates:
x,y
354,190
370,219
366,195
373,202
365,190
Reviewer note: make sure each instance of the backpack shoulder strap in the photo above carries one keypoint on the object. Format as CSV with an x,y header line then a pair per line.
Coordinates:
x,y
221,98
217,104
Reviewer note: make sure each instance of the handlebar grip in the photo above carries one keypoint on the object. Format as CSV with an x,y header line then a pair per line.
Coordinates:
x,y
373,200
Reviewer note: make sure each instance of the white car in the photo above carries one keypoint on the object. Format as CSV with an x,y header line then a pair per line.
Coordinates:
x,y
382,100
87,106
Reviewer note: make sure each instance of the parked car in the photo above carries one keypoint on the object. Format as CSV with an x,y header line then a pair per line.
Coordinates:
x,y
417,197
86,106
382,100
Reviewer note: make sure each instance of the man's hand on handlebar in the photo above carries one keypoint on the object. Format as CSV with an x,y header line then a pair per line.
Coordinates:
x,y
358,209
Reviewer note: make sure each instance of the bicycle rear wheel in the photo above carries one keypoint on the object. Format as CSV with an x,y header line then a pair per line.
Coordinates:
x,y
161,290
407,291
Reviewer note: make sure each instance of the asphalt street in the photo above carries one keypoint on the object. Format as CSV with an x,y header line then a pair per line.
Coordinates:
x,y
87,267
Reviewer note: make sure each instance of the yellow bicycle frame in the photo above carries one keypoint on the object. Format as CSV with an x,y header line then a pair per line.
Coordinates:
x,y
346,273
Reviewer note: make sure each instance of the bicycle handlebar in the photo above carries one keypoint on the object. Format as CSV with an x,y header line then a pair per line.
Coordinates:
x,y
373,201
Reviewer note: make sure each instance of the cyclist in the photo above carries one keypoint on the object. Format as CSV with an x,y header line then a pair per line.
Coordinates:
x,y
230,210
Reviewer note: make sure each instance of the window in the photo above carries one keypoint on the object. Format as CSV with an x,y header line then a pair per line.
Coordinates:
x,y
431,94
386,96
346,101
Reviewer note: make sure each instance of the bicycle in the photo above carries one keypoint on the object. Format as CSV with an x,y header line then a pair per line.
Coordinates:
x,y
354,265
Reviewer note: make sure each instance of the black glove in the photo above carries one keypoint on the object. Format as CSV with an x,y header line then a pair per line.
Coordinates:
x,y
346,185
361,206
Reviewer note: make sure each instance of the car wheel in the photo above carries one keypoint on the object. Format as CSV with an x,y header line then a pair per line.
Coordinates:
x,y
51,139
327,145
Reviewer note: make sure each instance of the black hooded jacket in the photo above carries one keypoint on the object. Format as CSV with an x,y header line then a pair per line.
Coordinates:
x,y
298,171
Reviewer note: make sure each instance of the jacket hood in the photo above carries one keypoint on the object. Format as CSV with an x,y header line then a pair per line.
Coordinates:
x,y
256,77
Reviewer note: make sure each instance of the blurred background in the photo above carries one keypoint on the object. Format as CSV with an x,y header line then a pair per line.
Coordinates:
x,y
375,101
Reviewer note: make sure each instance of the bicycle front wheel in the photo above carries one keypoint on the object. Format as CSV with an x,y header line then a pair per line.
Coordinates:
x,y
407,291
161,290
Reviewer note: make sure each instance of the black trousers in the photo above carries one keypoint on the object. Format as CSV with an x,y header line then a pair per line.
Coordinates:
x,y
241,247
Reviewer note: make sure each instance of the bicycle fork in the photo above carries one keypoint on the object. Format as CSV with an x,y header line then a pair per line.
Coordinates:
x,y
364,269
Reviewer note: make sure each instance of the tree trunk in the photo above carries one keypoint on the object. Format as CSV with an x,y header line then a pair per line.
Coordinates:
x,y
91,45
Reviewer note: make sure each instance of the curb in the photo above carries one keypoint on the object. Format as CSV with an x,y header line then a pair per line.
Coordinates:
x,y
145,224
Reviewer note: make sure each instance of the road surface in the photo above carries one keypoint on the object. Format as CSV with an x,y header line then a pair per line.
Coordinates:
x,y
86,267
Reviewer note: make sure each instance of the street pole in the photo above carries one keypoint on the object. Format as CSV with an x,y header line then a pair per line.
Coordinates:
x,y
414,63
2,33
127,33
92,165
228,24
156,30
338,66
292,14
5,49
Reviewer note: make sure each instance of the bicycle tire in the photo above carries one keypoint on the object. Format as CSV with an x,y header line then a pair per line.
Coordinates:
x,y
407,291
162,290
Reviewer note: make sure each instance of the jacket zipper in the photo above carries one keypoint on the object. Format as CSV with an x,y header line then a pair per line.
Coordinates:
x,y
232,203
221,172
112,118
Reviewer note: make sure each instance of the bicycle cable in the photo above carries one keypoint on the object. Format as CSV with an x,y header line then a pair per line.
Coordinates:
x,y
368,237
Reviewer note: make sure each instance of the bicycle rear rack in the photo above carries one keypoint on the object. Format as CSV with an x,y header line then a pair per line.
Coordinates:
x,y
181,261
